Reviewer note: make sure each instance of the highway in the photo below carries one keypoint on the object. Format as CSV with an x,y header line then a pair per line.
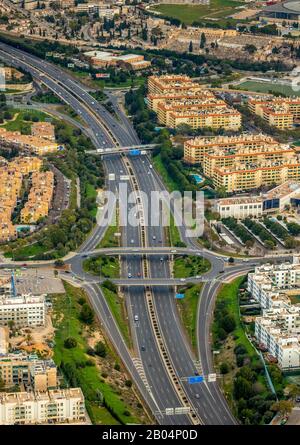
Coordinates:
x,y
155,382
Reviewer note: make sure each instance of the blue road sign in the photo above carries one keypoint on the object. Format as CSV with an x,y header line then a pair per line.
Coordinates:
x,y
195,379
179,296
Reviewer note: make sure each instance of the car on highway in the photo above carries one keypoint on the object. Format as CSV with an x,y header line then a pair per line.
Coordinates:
x,y
221,271
182,279
143,348
139,274
161,259
197,396
129,275
132,241
154,237
173,251
136,318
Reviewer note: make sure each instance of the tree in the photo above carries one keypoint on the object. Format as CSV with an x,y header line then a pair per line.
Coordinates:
x,y
228,323
100,349
242,389
191,47
283,407
202,40
224,368
70,343
251,49
86,314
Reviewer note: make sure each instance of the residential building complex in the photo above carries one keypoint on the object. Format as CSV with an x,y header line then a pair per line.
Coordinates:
x,y
33,144
104,59
11,180
44,130
53,406
245,162
278,329
280,112
39,198
28,371
177,100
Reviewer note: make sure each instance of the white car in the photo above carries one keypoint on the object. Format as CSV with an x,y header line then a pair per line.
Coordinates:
x,y
182,279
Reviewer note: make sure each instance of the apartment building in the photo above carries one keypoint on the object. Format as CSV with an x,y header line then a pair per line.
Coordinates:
x,y
268,280
280,112
275,200
242,145
44,130
39,198
11,180
37,145
172,84
244,162
23,310
177,100
240,177
54,406
278,329
28,370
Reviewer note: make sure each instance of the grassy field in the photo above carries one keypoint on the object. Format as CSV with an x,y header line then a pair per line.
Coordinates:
x,y
187,308
174,235
109,239
263,87
108,267
91,192
24,126
229,293
30,250
190,13
67,324
116,305
190,266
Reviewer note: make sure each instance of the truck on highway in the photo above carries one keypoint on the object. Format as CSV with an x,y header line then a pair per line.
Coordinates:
x,y
100,150
143,152
134,152
111,177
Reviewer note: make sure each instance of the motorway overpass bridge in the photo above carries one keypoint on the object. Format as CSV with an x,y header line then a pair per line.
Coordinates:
x,y
125,251
130,149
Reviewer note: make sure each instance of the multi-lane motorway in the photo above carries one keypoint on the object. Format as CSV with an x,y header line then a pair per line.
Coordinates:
x,y
161,378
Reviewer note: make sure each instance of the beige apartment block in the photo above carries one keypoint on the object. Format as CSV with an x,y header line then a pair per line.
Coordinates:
x,y
35,144
244,162
28,370
39,198
11,179
278,112
54,406
178,100
44,130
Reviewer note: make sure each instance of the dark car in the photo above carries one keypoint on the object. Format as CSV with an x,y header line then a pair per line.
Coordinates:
x,y
143,348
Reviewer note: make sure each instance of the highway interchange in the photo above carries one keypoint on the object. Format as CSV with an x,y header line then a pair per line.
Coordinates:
x,y
160,346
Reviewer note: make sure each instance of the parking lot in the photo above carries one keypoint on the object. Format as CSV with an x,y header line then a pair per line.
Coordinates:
x,y
36,281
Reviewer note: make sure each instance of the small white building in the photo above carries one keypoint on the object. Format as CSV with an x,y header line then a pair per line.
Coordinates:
x,y
240,208
24,310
